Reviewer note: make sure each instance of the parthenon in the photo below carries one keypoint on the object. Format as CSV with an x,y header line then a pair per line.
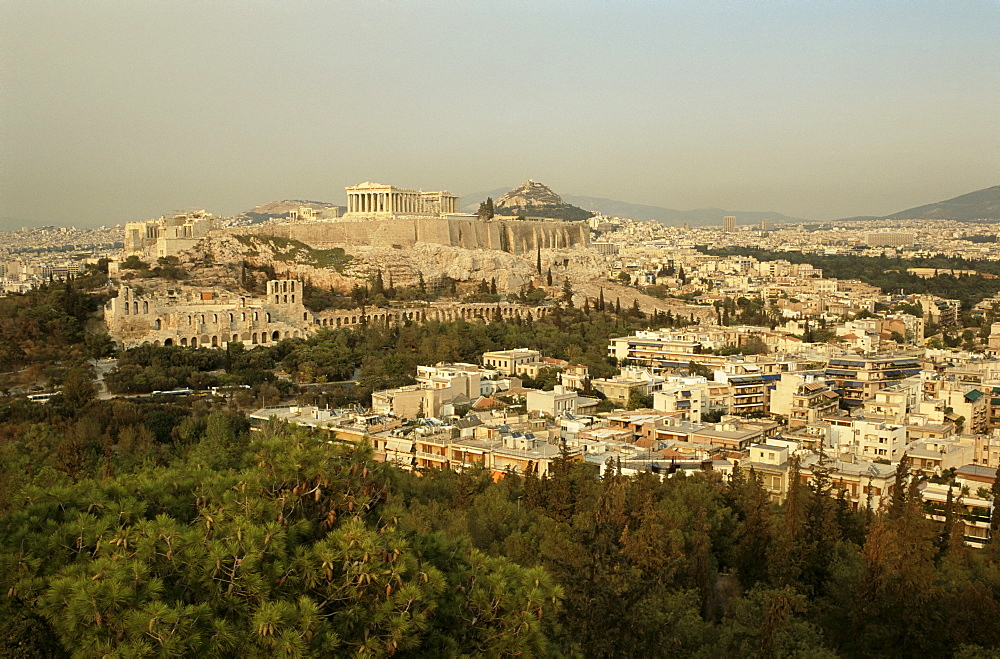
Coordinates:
x,y
378,200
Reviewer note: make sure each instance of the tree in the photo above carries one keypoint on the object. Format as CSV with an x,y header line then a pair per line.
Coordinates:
x,y
78,387
133,262
995,515
754,533
378,285
486,210
567,292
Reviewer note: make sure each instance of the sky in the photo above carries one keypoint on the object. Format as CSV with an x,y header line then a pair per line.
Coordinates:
x,y
117,111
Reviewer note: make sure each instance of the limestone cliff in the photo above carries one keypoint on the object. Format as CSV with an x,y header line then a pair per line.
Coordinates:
x,y
533,199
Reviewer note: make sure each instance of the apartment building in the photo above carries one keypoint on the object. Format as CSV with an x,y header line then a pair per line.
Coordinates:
x,y
508,361
857,379
802,399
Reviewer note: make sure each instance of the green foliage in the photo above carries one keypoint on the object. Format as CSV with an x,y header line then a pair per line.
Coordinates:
x,y
45,326
289,250
296,555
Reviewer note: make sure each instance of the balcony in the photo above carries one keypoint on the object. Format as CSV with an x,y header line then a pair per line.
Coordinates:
x,y
432,456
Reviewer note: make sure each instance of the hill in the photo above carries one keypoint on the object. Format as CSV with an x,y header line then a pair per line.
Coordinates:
x,y
274,209
668,216
533,199
979,205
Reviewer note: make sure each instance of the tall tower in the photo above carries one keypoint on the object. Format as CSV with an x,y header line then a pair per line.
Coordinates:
x,y
729,224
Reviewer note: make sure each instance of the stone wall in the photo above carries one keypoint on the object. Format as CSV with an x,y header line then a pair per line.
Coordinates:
x,y
508,235
186,317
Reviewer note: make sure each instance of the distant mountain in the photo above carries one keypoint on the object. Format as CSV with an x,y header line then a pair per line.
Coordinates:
x,y
668,216
281,209
979,205
533,199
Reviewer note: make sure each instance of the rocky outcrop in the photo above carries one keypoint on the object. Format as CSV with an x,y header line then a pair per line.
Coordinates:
x,y
533,199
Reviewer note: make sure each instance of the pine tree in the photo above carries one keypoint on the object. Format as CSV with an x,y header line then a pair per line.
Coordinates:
x,y
754,533
548,276
538,260
567,292
600,301
897,504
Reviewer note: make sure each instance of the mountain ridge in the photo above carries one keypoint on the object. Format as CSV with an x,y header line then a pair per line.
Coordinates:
x,y
976,205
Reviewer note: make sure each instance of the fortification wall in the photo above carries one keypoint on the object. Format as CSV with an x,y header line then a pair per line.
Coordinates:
x,y
509,235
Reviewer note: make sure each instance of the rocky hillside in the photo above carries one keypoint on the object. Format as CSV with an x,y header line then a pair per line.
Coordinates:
x,y
979,205
533,199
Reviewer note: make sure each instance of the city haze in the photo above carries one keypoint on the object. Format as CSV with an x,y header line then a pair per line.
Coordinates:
x,y
112,112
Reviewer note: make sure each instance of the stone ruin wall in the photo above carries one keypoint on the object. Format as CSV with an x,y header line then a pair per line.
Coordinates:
x,y
513,236
214,319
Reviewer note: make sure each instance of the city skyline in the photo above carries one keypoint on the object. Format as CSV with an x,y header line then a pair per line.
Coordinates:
x,y
818,111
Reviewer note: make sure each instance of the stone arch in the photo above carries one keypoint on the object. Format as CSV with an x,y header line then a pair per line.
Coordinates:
x,y
246,336
194,341
168,342
157,324
253,338
236,338
204,340
215,341
215,318
156,343
184,342
135,307
275,335
230,319
145,307
267,317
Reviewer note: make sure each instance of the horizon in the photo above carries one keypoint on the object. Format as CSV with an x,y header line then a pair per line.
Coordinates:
x,y
819,112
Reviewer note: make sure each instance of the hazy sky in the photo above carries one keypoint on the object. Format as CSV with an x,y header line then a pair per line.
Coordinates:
x,y
115,111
